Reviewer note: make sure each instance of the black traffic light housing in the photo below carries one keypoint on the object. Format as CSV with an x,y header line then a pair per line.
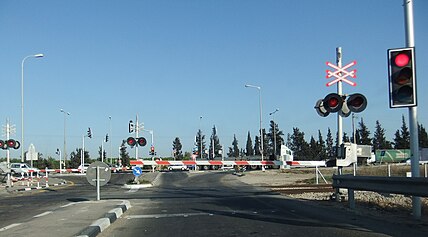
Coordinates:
x,y
11,143
356,103
89,133
131,126
140,141
334,102
402,77
131,141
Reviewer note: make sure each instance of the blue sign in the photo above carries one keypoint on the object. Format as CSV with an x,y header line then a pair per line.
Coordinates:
x,y
137,171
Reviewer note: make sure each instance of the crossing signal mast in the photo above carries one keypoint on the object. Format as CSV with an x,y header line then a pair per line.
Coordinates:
x,y
136,141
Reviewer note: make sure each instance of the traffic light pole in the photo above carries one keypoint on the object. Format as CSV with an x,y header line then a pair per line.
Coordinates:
x,y
413,121
339,92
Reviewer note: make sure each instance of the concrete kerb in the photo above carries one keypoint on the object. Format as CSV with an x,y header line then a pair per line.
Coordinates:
x,y
101,224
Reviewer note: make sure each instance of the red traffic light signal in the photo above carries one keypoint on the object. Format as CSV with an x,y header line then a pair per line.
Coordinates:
x,y
333,102
402,77
131,141
3,145
356,102
141,141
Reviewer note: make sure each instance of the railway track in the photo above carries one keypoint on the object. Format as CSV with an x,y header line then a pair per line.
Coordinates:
x,y
302,188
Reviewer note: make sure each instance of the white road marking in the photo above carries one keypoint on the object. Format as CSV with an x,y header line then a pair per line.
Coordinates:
x,y
9,226
43,214
167,215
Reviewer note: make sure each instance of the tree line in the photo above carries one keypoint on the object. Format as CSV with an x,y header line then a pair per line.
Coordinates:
x,y
319,148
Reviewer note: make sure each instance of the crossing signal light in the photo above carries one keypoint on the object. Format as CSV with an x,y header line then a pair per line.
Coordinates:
x,y
11,143
3,145
402,77
131,141
356,102
333,102
141,141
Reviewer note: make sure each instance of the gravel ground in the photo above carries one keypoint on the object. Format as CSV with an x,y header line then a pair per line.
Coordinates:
x,y
375,204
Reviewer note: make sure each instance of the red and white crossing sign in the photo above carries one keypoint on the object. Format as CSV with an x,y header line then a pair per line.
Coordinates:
x,y
341,74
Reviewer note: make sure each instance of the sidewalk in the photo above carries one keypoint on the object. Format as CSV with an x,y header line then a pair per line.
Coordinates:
x,y
74,219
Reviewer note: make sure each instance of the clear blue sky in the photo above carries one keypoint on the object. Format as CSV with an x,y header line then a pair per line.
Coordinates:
x,y
171,62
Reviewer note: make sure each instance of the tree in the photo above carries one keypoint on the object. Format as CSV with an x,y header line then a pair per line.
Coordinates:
x,y
364,133
402,139
329,143
75,158
423,136
275,135
257,146
313,148
176,147
215,144
234,150
321,146
249,151
124,155
99,154
299,145
379,139
200,144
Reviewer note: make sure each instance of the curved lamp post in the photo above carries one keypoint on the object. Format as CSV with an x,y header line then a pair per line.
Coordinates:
x,y
40,55
261,132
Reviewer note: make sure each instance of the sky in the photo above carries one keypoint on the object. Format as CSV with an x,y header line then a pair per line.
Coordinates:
x,y
182,66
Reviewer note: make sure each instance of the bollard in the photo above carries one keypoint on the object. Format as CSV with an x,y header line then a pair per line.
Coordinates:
x,y
47,178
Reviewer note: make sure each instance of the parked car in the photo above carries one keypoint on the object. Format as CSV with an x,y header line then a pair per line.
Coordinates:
x,y
85,167
178,167
18,168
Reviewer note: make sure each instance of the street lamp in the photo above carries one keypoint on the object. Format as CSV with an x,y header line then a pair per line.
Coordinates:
x,y
200,136
65,144
274,132
40,55
261,132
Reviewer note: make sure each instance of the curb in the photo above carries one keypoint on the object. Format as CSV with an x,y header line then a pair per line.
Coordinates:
x,y
101,224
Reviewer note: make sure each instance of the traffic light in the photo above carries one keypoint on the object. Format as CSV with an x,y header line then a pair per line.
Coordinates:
x,y
89,133
131,141
402,81
11,143
107,137
131,126
141,141
356,102
3,145
336,103
333,102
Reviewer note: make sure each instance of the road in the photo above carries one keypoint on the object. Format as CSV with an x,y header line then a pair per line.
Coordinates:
x,y
218,204
204,204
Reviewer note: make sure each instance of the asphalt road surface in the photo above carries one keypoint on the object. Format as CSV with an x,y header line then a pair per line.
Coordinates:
x,y
218,204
